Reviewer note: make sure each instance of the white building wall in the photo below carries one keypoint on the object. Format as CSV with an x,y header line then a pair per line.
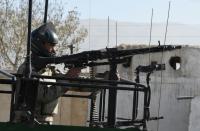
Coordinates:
x,y
168,87
195,115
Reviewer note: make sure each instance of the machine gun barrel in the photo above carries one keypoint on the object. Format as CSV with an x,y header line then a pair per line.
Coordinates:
x,y
146,50
84,58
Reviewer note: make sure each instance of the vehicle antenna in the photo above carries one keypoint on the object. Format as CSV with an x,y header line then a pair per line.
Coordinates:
x,y
165,37
46,11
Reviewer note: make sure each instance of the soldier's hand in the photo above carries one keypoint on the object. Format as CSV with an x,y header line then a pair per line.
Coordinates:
x,y
73,72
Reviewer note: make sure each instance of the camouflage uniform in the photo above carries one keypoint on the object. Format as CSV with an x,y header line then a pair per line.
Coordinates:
x,y
46,101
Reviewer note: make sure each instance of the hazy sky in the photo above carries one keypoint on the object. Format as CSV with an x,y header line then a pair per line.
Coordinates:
x,y
182,11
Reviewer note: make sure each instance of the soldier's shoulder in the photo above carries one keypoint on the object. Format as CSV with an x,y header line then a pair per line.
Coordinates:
x,y
21,68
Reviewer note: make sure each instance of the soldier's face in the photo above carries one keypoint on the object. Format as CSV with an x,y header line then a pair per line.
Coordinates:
x,y
49,47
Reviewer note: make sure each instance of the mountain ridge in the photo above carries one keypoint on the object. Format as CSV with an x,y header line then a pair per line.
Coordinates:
x,y
135,33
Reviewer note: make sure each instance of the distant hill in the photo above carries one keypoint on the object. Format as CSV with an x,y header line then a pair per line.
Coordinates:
x,y
137,33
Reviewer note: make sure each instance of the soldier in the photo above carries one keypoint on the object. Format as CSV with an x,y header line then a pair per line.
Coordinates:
x,y
43,41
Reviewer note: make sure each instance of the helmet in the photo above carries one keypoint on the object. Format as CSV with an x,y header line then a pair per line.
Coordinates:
x,y
45,33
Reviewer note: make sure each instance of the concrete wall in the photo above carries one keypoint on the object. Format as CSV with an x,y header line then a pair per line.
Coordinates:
x,y
72,111
4,104
4,101
195,115
170,85
171,89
